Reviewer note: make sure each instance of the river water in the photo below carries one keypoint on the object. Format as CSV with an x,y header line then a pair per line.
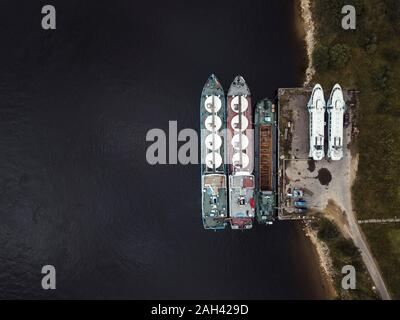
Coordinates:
x,y
76,191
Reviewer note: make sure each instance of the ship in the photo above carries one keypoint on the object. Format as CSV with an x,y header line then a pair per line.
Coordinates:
x,y
336,108
266,162
213,166
316,108
240,154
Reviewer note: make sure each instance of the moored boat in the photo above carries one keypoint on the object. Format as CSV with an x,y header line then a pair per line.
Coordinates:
x,y
240,155
265,138
336,108
213,167
316,108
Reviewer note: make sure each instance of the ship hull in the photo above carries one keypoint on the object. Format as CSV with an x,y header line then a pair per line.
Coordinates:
x,y
336,108
240,155
212,155
316,108
266,162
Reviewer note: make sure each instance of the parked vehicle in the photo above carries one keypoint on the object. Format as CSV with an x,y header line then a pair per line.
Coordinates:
x,y
301,203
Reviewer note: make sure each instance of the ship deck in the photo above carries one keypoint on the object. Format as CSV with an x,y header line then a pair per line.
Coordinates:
x,y
214,200
213,177
336,109
241,196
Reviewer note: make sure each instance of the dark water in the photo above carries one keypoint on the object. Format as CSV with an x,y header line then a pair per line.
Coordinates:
x,y
75,188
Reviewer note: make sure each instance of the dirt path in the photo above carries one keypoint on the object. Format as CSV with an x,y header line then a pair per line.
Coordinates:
x,y
367,257
359,240
350,228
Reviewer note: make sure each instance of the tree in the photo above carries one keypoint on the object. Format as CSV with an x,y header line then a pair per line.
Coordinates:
x,y
327,230
347,247
321,58
339,56
382,79
393,12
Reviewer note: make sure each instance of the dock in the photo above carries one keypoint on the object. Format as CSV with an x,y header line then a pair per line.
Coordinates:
x,y
317,181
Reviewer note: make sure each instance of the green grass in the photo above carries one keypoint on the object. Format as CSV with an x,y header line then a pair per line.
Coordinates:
x,y
373,67
384,240
344,252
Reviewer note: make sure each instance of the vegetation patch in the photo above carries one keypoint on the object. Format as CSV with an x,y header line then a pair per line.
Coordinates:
x,y
343,252
368,59
384,241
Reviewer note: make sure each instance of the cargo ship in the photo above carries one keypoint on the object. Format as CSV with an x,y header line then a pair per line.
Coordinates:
x,y
213,166
316,108
266,142
336,108
240,151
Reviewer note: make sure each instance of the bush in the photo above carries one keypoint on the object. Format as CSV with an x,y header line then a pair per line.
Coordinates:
x,y
382,78
330,12
321,58
393,12
339,56
327,230
391,55
348,248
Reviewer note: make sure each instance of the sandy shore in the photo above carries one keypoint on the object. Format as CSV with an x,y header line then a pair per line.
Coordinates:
x,y
324,258
309,28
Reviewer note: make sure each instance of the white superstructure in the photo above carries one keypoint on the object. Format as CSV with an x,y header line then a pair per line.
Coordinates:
x,y
316,107
336,108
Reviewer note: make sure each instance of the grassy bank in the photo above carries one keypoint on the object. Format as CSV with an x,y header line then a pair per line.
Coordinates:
x,y
384,241
368,59
344,252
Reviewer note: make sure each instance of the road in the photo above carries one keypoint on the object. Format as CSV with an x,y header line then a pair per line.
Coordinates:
x,y
369,260
356,234
393,220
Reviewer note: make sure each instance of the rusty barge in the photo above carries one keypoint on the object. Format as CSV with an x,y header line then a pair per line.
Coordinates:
x,y
266,163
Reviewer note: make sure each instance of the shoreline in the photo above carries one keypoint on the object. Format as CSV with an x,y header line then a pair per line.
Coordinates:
x,y
324,259
321,249
309,38
348,228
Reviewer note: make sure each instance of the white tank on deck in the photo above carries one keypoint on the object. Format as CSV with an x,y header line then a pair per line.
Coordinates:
x,y
213,141
240,160
235,123
212,104
213,123
236,142
213,157
239,102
